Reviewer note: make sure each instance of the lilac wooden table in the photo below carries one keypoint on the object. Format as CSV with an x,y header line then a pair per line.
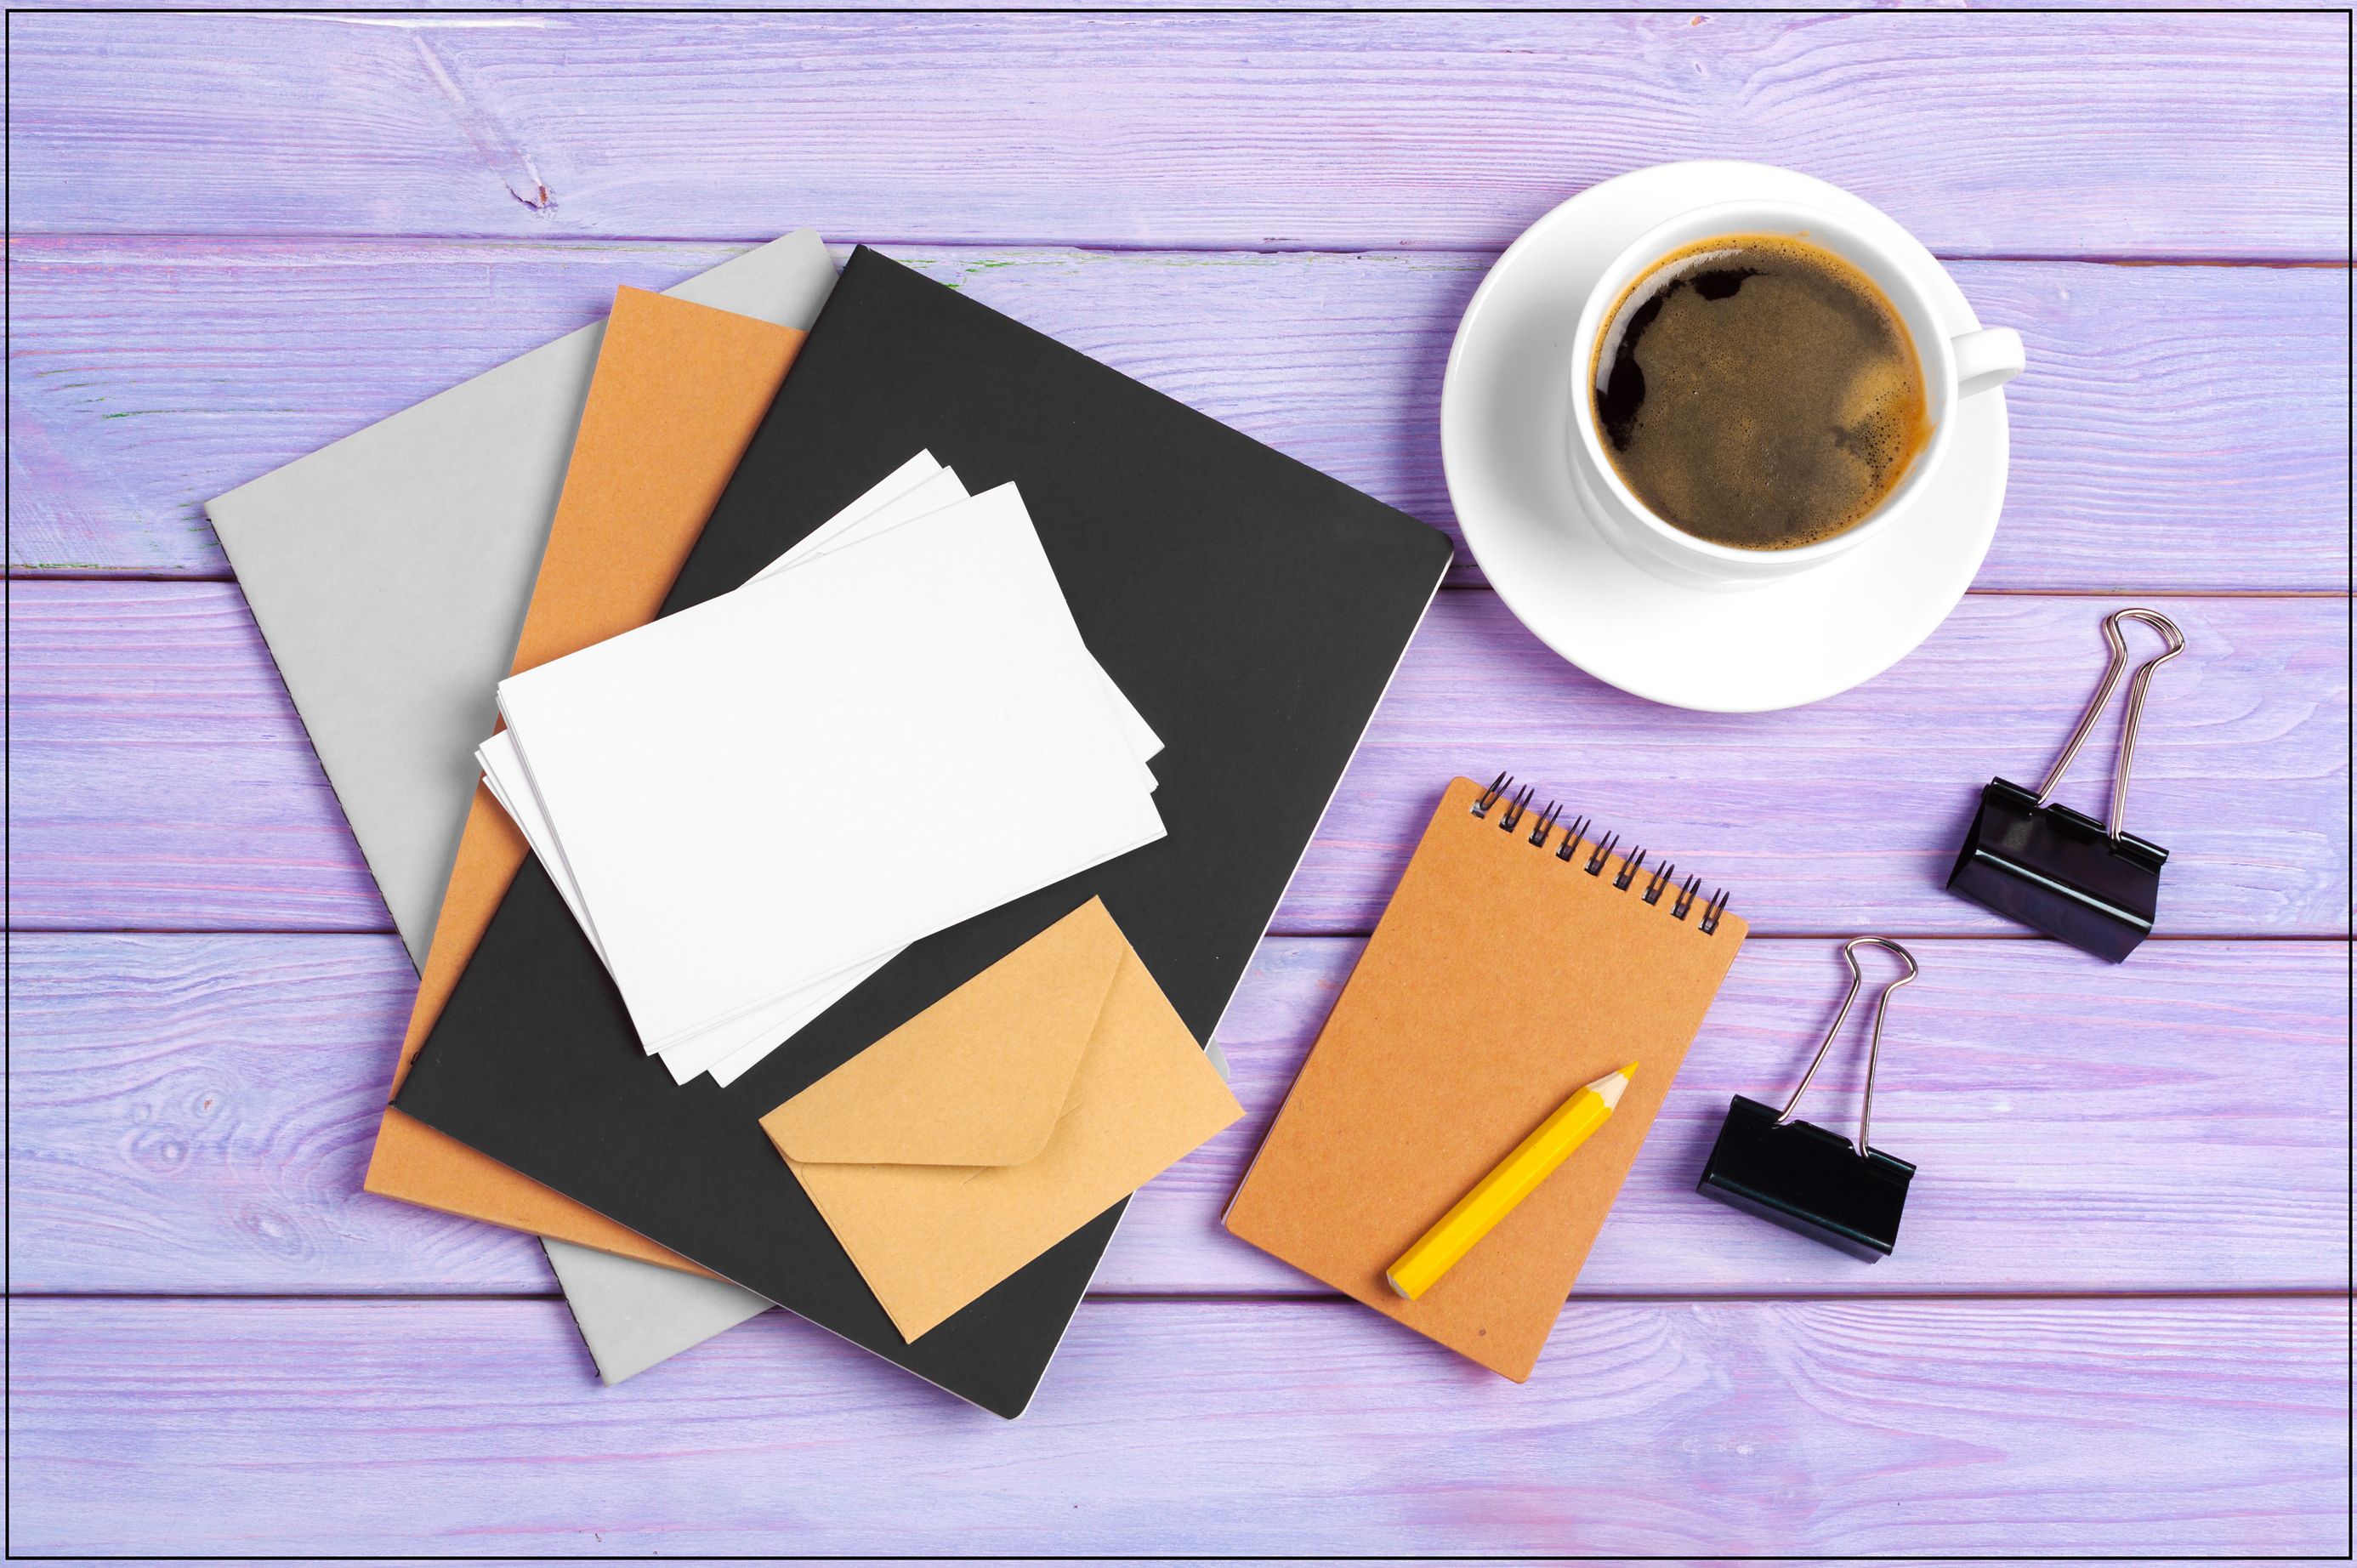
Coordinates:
x,y
2119,1323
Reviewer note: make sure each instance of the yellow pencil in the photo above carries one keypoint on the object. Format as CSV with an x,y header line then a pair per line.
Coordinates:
x,y
1514,1179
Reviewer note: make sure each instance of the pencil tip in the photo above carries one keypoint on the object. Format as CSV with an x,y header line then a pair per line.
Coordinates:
x,y
1612,1086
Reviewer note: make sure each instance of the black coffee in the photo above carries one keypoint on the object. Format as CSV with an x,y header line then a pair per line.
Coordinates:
x,y
1759,392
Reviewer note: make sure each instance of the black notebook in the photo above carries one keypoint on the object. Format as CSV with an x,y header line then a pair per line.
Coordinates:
x,y
1252,608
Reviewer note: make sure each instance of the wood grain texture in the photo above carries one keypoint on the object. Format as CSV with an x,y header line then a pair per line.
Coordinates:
x,y
1835,1427
161,781
149,375
1845,815
254,234
192,1115
429,23
2005,135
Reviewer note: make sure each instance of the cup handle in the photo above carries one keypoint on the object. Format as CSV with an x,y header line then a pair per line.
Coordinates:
x,y
1986,358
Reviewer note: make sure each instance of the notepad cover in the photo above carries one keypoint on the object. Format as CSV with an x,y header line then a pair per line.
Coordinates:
x,y
1499,980
1254,609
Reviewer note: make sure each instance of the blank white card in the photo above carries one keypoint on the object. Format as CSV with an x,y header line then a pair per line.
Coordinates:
x,y
731,1049
774,787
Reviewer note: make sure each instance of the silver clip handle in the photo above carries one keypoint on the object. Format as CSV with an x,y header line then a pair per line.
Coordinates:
x,y
2136,688
1874,1049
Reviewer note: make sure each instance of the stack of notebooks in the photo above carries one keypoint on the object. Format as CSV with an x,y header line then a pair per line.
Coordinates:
x,y
832,751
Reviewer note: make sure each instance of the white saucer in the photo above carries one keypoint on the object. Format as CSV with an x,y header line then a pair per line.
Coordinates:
x,y
1504,435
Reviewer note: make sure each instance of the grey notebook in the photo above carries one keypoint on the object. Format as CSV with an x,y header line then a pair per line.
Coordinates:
x,y
389,573
633,1316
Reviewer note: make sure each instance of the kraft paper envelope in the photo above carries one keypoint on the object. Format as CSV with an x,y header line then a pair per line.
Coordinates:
x,y
1002,1118
678,390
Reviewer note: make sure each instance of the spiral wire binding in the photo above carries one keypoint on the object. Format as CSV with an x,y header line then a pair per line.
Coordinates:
x,y
1603,852
1512,805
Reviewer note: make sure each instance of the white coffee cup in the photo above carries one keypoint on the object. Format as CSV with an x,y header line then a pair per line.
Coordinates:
x,y
1954,367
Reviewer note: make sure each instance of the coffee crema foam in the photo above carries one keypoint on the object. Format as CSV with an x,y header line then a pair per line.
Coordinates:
x,y
1759,392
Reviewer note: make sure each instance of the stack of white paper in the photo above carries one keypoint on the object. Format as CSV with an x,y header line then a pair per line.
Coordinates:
x,y
753,804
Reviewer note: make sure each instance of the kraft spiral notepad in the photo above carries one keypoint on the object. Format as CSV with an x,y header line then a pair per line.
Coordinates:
x,y
1522,956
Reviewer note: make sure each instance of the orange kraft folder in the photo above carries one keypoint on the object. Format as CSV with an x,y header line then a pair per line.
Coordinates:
x,y
678,390
1501,979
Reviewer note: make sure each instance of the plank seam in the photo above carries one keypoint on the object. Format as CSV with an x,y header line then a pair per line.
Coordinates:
x,y
2330,1292
544,201
1351,933
106,574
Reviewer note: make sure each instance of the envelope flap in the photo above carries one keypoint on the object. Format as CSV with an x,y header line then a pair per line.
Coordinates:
x,y
978,1079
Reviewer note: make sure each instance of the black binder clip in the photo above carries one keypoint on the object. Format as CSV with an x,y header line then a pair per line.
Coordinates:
x,y
1804,1177
2060,870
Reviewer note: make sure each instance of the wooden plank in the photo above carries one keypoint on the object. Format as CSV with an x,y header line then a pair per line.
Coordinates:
x,y
149,375
1840,1428
1846,815
427,21
162,782
192,1115
2105,136
154,752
